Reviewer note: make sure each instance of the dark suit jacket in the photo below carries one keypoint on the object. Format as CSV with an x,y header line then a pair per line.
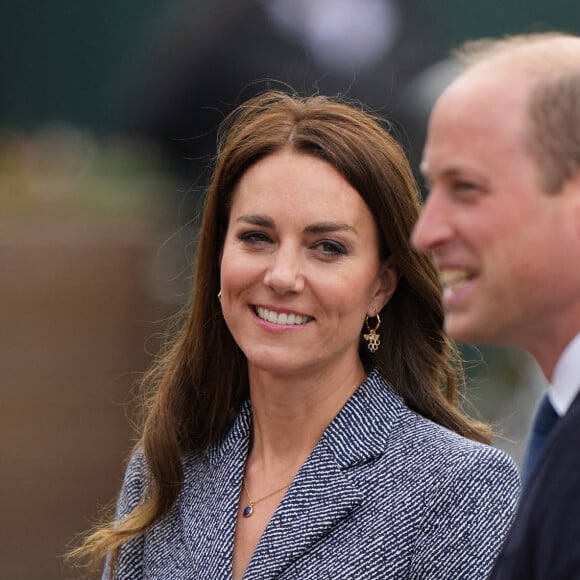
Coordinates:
x,y
544,543
385,494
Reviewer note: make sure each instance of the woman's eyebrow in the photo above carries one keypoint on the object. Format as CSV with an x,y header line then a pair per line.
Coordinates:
x,y
317,228
324,227
257,220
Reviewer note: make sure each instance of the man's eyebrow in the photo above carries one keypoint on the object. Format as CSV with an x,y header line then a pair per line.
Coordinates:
x,y
446,172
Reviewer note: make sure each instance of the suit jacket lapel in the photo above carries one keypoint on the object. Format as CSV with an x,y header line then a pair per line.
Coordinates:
x,y
570,419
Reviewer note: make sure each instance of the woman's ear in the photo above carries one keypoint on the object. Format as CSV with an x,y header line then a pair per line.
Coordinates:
x,y
386,285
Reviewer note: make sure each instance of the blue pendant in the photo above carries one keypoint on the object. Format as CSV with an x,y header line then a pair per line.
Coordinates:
x,y
248,511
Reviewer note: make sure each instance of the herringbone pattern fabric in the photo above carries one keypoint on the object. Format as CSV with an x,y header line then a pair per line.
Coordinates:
x,y
384,494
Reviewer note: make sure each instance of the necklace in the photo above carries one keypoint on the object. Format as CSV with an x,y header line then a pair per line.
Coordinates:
x,y
249,509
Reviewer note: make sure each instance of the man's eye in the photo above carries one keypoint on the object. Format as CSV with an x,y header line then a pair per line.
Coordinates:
x,y
465,190
464,186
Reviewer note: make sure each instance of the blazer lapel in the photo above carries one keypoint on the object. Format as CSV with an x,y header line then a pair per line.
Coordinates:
x,y
326,490
319,498
209,501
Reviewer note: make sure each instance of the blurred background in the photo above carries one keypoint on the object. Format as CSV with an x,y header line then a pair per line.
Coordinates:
x,y
108,113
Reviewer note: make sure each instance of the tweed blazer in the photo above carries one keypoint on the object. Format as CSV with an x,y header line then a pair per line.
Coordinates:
x,y
384,494
544,543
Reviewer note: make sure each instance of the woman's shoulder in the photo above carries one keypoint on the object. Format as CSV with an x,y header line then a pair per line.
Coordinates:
x,y
422,436
411,442
134,482
469,493
137,470
439,450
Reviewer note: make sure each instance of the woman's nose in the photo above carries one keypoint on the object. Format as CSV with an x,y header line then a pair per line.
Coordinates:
x,y
285,271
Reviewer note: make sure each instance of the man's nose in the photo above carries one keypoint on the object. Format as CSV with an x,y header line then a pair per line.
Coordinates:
x,y
433,227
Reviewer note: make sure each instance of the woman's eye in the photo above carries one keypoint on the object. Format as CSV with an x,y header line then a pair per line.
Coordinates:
x,y
254,237
331,248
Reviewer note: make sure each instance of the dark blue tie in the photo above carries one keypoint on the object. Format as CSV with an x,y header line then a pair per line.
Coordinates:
x,y
544,422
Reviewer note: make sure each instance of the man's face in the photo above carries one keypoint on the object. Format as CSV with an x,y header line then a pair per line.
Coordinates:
x,y
497,238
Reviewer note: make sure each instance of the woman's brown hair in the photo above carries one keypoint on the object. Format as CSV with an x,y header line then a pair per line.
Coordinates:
x,y
199,384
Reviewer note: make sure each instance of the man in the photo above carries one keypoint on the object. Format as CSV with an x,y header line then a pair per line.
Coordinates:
x,y
502,221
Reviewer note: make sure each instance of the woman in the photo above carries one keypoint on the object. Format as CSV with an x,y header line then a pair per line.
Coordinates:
x,y
303,424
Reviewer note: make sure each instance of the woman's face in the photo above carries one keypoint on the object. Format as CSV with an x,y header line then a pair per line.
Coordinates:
x,y
300,266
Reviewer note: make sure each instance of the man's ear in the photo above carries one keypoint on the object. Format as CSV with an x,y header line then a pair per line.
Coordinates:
x,y
386,286
569,197
573,185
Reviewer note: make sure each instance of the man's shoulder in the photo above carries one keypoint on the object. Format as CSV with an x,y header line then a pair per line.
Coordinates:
x,y
559,468
544,540
562,453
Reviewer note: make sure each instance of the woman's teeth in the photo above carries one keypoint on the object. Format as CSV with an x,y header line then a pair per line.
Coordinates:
x,y
281,317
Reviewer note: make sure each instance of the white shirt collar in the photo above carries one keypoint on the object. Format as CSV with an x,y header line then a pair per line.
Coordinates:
x,y
566,380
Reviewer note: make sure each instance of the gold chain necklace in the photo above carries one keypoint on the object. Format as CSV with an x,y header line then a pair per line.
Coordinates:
x,y
249,509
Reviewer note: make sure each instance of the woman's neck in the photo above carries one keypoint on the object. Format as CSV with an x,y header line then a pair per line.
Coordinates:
x,y
291,413
289,416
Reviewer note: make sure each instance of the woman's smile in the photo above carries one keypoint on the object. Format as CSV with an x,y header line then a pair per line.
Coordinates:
x,y
281,317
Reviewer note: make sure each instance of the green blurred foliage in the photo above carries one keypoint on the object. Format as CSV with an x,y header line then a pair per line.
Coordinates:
x,y
60,171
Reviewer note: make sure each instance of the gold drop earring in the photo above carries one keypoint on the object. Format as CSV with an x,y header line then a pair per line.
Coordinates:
x,y
373,338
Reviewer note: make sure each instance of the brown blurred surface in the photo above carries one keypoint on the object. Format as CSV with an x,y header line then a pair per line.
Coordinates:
x,y
76,315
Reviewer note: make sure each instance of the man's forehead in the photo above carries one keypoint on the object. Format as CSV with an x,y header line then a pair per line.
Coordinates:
x,y
482,105
487,86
